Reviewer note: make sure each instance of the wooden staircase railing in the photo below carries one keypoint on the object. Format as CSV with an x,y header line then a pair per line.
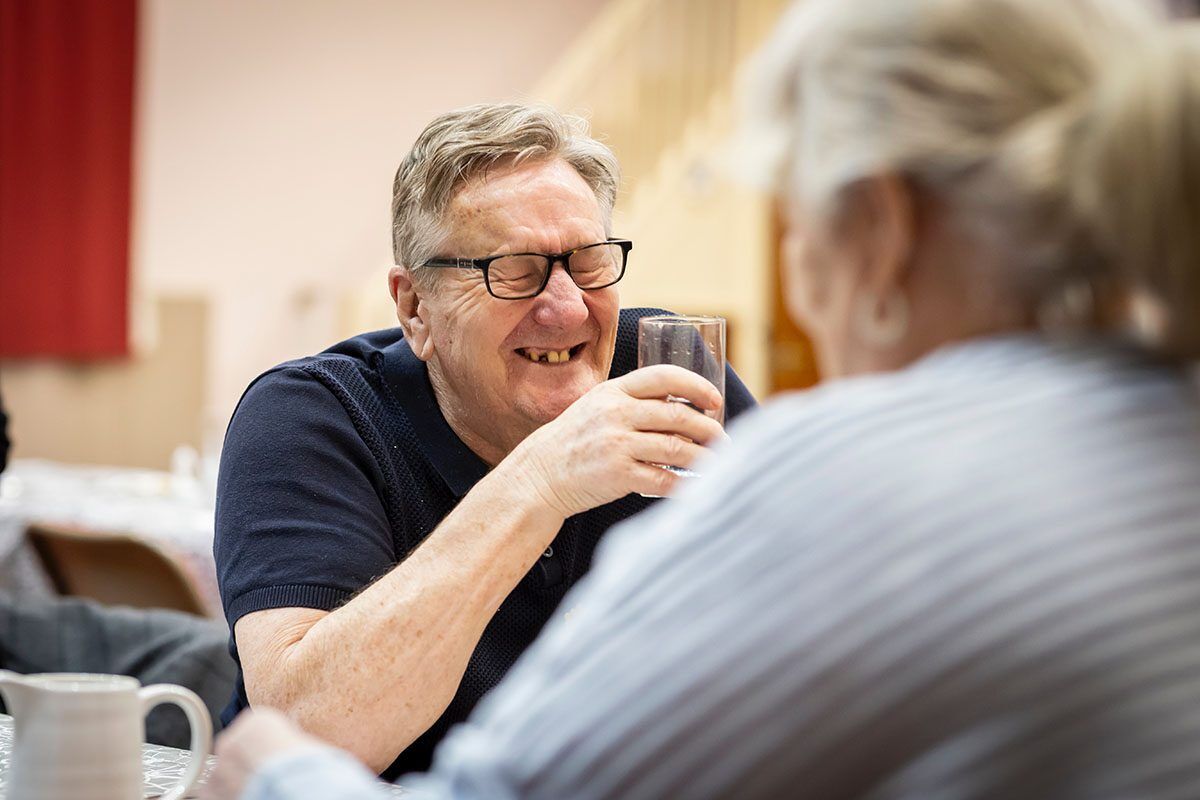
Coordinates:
x,y
647,69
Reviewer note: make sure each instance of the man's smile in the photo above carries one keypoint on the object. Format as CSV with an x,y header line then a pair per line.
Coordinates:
x,y
551,355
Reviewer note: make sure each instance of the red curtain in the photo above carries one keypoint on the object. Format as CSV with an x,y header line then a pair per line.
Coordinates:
x,y
66,126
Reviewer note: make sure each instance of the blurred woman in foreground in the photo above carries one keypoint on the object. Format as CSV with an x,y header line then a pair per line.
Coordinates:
x,y
970,566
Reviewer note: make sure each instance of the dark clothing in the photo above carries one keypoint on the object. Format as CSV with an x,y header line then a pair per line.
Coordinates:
x,y
337,466
153,645
4,443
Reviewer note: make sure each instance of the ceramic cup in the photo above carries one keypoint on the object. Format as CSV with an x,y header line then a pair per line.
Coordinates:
x,y
80,736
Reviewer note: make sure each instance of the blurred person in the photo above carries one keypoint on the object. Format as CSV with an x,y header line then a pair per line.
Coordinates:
x,y
399,516
968,566
153,645
71,634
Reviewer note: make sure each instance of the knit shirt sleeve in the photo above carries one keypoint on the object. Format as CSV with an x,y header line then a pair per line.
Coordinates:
x,y
300,520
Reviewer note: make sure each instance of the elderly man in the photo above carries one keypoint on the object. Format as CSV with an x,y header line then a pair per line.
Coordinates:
x,y
399,516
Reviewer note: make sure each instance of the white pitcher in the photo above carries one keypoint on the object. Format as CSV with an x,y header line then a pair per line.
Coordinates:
x,y
80,736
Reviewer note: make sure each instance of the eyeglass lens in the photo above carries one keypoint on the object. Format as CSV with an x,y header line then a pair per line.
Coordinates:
x,y
522,275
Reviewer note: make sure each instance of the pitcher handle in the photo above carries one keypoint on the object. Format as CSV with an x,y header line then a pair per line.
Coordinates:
x,y
199,722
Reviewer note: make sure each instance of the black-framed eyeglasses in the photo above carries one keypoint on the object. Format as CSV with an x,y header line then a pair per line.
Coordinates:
x,y
517,276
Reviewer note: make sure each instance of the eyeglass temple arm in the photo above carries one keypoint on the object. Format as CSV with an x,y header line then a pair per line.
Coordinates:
x,y
456,263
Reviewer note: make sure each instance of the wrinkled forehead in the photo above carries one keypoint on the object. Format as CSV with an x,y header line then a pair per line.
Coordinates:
x,y
538,198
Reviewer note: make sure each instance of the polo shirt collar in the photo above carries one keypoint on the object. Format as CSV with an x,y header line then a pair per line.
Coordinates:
x,y
408,378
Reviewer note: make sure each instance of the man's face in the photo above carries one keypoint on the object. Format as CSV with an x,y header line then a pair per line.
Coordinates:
x,y
480,365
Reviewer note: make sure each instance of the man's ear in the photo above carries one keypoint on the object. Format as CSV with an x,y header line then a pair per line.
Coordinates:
x,y
885,225
411,311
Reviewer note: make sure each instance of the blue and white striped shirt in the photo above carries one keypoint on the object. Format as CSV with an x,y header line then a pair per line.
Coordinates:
x,y
977,577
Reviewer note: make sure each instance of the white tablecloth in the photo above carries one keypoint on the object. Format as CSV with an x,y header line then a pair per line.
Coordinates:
x,y
173,511
162,767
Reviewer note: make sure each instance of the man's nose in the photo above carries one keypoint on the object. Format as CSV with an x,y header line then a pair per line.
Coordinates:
x,y
560,305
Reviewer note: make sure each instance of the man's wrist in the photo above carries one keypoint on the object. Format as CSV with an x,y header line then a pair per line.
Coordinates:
x,y
515,480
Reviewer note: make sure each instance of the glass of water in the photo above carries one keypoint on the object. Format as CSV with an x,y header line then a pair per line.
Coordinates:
x,y
694,343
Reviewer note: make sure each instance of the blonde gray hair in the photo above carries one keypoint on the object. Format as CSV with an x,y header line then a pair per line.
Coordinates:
x,y
464,143
1136,181
1062,134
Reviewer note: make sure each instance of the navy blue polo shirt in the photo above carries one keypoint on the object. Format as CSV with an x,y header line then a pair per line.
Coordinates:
x,y
338,465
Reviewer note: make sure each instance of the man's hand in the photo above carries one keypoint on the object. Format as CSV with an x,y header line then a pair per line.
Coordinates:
x,y
421,622
605,444
254,738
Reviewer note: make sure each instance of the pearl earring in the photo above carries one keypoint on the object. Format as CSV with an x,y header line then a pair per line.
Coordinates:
x,y
880,320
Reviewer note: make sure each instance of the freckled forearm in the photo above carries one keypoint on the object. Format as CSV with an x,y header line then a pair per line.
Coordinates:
x,y
373,675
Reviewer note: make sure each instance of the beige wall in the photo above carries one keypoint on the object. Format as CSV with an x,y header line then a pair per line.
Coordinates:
x,y
269,135
266,138
702,248
125,413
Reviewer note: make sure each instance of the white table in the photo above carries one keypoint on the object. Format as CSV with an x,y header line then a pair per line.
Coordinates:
x,y
161,766
174,512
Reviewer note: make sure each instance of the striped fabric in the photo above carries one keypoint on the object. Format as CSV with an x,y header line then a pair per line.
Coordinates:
x,y
976,578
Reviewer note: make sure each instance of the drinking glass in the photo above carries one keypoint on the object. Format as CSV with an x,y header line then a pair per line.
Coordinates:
x,y
694,343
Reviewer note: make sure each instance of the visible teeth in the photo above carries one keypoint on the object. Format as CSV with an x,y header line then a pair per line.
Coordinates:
x,y
548,356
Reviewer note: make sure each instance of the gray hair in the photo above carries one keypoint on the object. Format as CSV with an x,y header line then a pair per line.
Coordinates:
x,y
463,143
1023,116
